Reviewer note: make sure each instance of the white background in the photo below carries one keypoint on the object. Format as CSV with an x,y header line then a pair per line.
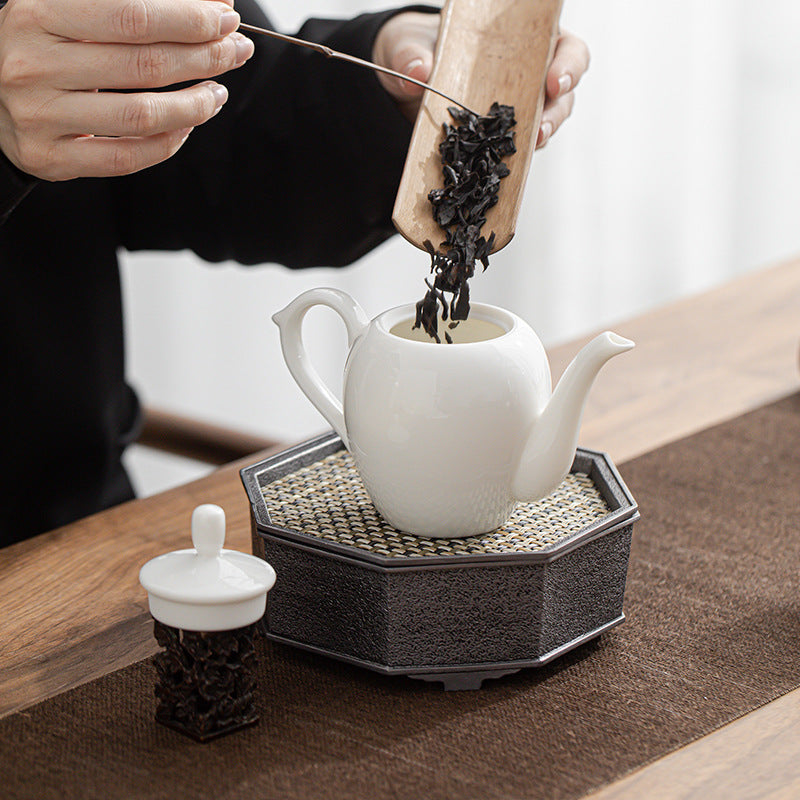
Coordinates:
x,y
679,169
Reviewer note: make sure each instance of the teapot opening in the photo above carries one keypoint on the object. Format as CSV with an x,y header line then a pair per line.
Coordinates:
x,y
481,326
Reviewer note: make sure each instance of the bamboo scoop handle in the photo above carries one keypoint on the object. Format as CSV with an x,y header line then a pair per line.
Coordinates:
x,y
488,50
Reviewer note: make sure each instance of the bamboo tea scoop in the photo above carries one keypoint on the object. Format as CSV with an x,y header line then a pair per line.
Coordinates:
x,y
488,50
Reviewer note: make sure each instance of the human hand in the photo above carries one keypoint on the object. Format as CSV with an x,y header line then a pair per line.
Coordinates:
x,y
406,44
570,62
60,62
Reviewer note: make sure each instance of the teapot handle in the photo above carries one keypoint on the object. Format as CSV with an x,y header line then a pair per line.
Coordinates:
x,y
290,322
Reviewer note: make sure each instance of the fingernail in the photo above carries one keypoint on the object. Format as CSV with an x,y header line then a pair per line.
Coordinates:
x,y
412,65
228,23
564,83
545,131
244,48
184,134
220,94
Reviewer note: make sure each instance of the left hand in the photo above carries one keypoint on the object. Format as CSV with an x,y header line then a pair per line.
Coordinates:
x,y
406,44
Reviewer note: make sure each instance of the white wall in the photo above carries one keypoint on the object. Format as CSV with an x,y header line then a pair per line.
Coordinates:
x,y
678,169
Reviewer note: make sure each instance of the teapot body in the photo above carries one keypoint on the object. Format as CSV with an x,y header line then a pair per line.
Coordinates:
x,y
436,430
447,437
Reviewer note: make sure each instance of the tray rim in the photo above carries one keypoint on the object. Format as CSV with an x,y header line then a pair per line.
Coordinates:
x,y
597,464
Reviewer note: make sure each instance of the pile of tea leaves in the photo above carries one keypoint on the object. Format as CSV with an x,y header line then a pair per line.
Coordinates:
x,y
472,155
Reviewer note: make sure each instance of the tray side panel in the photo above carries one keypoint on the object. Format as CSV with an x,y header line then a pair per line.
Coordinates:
x,y
584,589
472,614
327,602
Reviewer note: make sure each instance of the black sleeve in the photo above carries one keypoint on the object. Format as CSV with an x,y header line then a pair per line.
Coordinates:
x,y
14,185
300,167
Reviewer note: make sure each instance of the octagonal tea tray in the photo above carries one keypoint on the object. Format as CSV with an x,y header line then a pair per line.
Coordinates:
x,y
457,611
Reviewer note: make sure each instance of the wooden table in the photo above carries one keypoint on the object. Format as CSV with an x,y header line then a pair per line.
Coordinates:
x,y
73,609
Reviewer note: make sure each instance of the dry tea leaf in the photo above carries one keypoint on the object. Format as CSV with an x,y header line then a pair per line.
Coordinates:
x,y
472,154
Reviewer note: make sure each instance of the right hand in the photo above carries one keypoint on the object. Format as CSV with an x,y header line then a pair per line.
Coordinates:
x,y
56,54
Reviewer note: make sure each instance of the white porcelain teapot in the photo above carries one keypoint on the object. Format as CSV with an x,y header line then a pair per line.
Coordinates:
x,y
448,437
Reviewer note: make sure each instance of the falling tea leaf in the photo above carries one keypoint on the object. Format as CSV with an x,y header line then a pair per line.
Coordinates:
x,y
472,153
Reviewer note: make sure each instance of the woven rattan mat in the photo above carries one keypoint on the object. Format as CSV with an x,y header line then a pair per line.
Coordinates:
x,y
712,632
328,500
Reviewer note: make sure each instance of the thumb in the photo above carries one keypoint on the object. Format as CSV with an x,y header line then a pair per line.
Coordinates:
x,y
405,44
414,60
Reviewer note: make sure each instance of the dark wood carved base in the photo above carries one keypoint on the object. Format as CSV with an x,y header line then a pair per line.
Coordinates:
x,y
206,681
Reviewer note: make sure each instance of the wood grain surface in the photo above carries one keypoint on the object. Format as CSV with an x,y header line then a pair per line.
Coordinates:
x,y
73,608
487,51
752,758
697,362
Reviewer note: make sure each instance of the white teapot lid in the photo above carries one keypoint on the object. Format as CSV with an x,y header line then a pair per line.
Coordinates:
x,y
207,588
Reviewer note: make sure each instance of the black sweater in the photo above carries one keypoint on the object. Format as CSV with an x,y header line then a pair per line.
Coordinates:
x,y
300,167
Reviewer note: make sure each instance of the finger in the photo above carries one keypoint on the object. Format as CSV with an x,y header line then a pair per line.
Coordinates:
x,y
414,64
143,114
139,21
98,157
555,112
406,46
570,62
87,65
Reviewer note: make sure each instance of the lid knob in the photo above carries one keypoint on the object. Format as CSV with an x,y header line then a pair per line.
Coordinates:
x,y
208,530
207,588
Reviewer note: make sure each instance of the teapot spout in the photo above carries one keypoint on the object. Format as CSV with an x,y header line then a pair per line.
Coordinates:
x,y
550,450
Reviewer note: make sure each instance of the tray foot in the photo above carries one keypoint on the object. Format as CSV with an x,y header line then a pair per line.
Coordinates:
x,y
463,681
